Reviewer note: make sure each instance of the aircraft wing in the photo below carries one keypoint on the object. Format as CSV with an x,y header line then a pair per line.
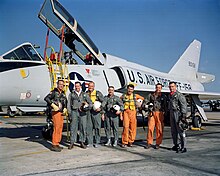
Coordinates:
x,y
203,95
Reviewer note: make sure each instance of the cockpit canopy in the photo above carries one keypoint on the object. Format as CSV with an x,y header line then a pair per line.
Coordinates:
x,y
22,52
55,16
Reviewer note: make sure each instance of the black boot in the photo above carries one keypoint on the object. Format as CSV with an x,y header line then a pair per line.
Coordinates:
x,y
82,145
55,148
130,144
183,150
148,146
71,146
175,148
60,147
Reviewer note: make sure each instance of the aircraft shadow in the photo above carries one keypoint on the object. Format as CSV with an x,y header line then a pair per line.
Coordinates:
x,y
30,133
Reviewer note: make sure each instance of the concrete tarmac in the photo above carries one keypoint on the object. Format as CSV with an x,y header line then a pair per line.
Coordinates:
x,y
23,151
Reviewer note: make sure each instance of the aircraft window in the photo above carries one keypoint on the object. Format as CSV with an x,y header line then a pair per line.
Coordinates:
x,y
70,19
25,52
47,12
11,56
53,20
69,59
86,38
77,46
63,12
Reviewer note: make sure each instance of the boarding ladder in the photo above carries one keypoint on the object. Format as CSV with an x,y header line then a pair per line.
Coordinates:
x,y
57,70
57,67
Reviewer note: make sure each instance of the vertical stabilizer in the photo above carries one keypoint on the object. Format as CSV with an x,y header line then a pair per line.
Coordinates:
x,y
187,65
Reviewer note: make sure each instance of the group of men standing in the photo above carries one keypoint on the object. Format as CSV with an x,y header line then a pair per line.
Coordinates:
x,y
174,106
87,109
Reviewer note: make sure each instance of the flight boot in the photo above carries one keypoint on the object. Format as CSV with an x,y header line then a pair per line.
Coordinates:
x,y
55,148
108,143
82,145
115,143
71,146
123,145
130,144
183,150
148,146
60,147
157,146
175,148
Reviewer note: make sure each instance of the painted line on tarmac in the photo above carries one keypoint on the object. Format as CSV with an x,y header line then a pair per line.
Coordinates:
x,y
32,153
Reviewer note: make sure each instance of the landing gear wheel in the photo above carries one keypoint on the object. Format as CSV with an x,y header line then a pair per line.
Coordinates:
x,y
214,108
196,121
47,131
11,113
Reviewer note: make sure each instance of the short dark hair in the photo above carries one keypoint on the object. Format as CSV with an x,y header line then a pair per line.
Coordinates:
x,y
159,84
77,82
172,82
92,82
130,85
109,87
60,80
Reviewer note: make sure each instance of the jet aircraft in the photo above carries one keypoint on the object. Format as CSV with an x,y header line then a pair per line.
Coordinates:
x,y
33,76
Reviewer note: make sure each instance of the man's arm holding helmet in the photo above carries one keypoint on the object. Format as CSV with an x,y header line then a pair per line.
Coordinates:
x,y
139,97
88,100
65,111
104,102
101,99
120,103
104,109
49,99
146,101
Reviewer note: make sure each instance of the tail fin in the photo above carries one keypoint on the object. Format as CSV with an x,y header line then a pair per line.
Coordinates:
x,y
187,65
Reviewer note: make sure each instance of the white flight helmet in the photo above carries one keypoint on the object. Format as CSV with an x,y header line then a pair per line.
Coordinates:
x,y
86,105
96,105
147,106
139,102
116,107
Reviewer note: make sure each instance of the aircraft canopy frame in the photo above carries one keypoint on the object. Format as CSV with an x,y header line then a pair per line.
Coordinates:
x,y
55,16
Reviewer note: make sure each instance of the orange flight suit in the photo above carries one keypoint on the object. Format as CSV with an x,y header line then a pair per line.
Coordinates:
x,y
155,121
130,120
57,127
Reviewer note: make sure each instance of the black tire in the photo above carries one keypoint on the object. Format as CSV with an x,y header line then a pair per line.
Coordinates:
x,y
214,108
47,132
11,113
197,121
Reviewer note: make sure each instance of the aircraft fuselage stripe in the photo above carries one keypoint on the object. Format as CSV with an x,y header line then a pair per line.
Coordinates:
x,y
5,66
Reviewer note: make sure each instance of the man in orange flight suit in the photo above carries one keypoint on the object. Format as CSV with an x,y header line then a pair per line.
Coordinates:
x,y
129,116
156,117
58,101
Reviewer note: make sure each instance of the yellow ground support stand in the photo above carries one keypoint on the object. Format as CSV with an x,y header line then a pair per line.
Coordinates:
x,y
197,129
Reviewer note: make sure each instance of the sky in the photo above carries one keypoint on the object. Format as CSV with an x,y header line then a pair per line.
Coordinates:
x,y
153,33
